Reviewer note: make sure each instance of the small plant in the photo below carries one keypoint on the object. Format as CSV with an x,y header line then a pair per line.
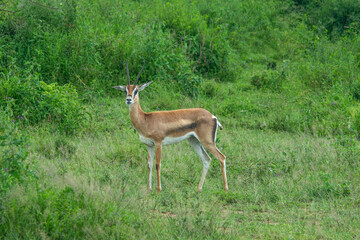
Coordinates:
x,y
210,88
270,79
327,189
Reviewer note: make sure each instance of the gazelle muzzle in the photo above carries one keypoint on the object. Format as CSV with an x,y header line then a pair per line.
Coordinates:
x,y
129,100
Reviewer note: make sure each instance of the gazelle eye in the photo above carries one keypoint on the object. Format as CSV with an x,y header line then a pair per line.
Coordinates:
x,y
135,92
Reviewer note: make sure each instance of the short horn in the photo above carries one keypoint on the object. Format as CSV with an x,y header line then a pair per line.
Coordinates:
x,y
127,72
138,76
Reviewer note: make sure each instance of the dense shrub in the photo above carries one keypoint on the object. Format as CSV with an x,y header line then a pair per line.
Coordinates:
x,y
185,43
335,16
29,17
208,49
13,153
166,61
31,101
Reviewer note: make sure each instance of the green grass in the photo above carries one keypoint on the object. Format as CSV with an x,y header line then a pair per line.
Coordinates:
x,y
282,185
281,76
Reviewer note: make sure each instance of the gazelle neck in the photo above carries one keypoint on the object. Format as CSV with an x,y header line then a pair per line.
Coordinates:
x,y
137,115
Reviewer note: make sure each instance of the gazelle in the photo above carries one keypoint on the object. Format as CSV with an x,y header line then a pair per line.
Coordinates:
x,y
160,128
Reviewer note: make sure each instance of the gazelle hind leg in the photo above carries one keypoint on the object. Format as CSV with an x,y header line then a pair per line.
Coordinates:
x,y
199,149
222,159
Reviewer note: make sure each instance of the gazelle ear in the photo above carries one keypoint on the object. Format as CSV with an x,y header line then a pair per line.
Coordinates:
x,y
122,88
143,86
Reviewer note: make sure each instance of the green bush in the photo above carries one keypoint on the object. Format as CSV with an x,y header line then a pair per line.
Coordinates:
x,y
185,43
31,101
335,16
28,24
165,61
13,153
208,48
30,17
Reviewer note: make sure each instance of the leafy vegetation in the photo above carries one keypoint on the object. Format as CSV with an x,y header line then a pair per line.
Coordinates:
x,y
281,76
31,101
14,152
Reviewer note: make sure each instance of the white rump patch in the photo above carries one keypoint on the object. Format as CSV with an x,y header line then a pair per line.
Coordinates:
x,y
218,123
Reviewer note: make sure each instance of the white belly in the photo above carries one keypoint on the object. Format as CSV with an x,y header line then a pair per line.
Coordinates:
x,y
172,140
147,141
167,140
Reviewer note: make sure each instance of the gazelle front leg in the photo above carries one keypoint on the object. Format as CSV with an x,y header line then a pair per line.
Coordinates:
x,y
158,163
151,155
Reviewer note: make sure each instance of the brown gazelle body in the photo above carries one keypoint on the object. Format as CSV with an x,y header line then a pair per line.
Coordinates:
x,y
160,128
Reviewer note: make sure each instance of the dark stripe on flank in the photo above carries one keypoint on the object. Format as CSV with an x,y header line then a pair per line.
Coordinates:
x,y
214,129
190,126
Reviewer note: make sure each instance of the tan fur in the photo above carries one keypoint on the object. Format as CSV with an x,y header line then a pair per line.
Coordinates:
x,y
177,123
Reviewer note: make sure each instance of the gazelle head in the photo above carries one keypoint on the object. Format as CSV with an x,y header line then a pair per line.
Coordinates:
x,y
132,91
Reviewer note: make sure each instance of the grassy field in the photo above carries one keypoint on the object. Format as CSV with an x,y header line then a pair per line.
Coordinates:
x,y
282,77
282,185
